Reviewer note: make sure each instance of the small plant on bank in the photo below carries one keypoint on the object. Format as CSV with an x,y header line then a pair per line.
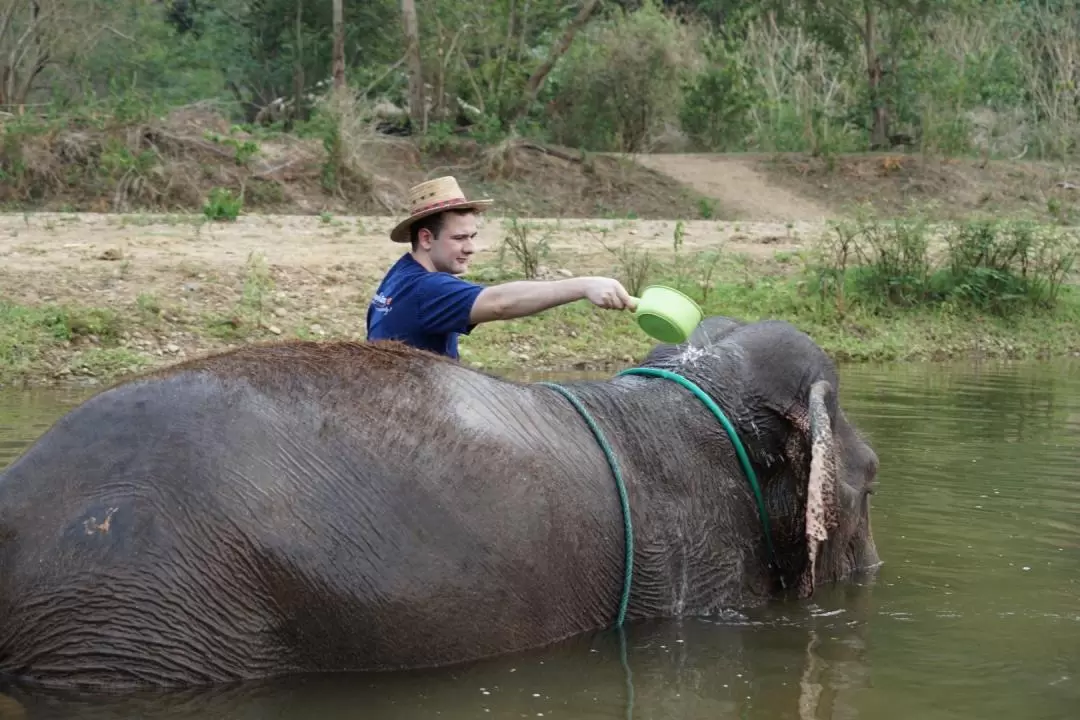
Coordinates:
x,y
149,307
244,150
706,263
635,266
222,205
250,311
527,243
257,286
834,255
69,323
898,268
678,260
707,208
110,362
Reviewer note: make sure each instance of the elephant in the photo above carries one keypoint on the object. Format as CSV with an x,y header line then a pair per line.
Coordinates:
x,y
322,506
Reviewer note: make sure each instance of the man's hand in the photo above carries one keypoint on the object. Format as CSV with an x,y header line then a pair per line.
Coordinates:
x,y
608,293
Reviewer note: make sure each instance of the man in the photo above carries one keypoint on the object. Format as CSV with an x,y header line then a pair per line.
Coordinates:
x,y
422,302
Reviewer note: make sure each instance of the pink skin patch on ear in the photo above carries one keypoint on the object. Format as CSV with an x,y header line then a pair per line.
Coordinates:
x,y
821,512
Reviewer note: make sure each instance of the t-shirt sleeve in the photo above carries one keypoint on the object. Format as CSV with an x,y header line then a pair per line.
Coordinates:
x,y
445,303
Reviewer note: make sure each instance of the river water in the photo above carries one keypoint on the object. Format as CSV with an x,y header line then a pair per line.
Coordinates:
x,y
975,614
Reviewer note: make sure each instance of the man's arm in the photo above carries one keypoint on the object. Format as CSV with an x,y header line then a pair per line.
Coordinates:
x,y
528,297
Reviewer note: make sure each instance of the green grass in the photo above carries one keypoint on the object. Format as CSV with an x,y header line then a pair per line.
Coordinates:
x,y
34,340
37,341
582,335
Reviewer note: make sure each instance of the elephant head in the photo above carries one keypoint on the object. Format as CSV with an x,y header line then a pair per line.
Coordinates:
x,y
818,471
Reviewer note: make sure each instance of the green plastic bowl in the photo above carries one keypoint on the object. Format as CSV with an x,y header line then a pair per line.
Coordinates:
x,y
666,314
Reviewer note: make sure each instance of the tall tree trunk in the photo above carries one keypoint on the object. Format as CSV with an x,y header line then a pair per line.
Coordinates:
x,y
298,71
879,132
532,87
417,101
339,45
27,57
505,54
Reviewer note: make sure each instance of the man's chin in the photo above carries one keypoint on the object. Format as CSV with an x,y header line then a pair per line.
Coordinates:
x,y
455,268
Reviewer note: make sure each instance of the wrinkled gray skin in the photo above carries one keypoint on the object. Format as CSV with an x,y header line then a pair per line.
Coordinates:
x,y
307,507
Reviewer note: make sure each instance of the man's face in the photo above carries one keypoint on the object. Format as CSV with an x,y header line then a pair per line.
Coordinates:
x,y
451,251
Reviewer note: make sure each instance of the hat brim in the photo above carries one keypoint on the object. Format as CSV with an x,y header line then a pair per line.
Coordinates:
x,y
400,233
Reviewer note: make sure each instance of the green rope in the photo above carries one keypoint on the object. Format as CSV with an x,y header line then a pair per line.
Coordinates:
x,y
628,528
739,449
620,485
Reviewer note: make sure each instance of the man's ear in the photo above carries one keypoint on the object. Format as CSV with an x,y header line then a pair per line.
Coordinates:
x,y
425,238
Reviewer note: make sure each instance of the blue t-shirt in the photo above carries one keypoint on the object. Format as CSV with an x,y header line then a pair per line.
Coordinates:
x,y
425,309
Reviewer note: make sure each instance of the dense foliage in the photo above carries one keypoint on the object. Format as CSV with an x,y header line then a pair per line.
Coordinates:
x,y
987,76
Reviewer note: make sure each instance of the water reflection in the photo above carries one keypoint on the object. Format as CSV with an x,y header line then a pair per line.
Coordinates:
x,y
975,614
794,663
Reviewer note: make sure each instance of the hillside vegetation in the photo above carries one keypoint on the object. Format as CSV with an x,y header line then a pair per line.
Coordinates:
x,y
117,105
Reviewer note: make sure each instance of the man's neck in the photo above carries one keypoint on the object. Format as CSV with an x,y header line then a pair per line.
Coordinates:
x,y
423,259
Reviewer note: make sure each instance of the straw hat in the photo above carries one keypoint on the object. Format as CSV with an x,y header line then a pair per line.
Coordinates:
x,y
432,197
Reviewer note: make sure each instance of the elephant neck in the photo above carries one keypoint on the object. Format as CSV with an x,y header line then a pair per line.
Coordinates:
x,y
692,506
733,435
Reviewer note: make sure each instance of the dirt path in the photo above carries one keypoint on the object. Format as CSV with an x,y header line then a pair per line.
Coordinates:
x,y
736,186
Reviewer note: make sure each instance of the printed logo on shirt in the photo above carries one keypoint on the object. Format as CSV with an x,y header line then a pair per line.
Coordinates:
x,y
382,303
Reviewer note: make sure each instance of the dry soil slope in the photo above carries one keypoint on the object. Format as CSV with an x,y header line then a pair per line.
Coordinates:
x,y
741,191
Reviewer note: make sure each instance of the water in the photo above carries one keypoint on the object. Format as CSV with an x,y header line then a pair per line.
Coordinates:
x,y
975,614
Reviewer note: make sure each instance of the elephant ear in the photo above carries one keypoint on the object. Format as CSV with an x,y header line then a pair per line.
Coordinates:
x,y
822,513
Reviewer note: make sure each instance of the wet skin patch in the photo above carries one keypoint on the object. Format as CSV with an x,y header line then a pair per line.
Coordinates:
x,y
104,526
93,526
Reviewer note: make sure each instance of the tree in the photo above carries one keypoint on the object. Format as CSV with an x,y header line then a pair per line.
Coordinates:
x,y
339,45
417,99
274,53
845,24
27,31
536,80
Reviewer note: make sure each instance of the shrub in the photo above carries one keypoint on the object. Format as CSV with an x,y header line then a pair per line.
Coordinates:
x,y
222,205
717,101
996,267
622,81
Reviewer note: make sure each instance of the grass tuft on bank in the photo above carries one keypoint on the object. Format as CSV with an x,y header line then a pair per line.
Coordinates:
x,y
33,337
867,290
580,337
